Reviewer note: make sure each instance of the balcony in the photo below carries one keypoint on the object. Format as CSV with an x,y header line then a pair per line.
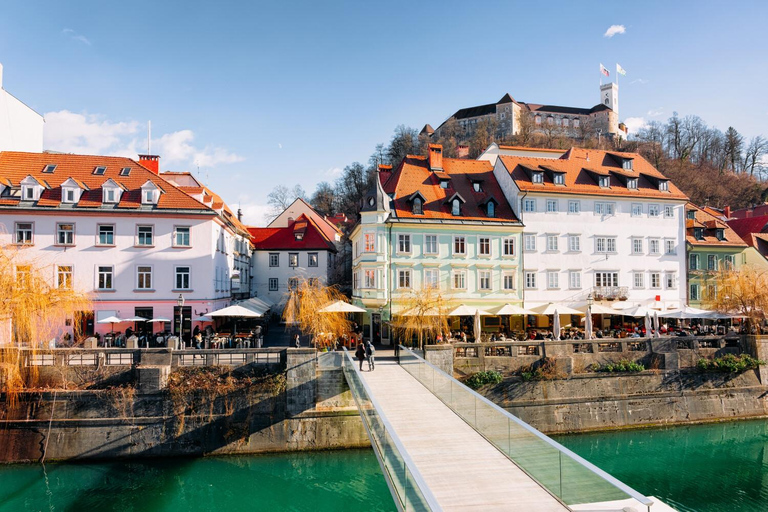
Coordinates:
x,y
610,292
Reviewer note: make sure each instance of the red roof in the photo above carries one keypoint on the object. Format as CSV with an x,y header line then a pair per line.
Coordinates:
x,y
751,230
708,224
302,235
581,165
413,175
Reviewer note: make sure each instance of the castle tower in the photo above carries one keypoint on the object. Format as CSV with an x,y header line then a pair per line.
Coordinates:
x,y
609,96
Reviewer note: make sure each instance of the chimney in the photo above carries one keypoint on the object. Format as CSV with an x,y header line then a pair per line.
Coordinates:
x,y
462,151
727,212
151,162
435,157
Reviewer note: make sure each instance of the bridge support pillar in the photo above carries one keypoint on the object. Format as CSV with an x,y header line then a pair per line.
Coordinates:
x,y
300,380
440,356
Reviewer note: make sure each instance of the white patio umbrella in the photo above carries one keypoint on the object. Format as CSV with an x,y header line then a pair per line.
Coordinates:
x,y
236,311
111,320
477,325
510,310
464,310
657,333
551,307
637,311
135,319
599,309
556,325
685,313
203,318
588,326
648,324
159,319
341,306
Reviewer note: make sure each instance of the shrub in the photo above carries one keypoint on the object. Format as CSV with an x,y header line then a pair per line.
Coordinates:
x,y
729,363
624,365
545,369
479,379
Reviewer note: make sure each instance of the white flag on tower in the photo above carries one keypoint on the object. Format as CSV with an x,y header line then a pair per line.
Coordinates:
x,y
620,70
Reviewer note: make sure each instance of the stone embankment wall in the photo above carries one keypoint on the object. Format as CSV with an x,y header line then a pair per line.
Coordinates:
x,y
315,411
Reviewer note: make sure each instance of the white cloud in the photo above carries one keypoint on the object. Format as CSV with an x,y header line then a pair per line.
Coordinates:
x,y
655,112
614,29
641,81
255,214
280,146
75,36
334,172
634,124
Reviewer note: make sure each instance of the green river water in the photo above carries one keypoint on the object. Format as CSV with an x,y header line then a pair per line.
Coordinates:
x,y
709,468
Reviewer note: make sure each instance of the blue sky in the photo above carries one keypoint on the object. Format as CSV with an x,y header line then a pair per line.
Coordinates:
x,y
269,93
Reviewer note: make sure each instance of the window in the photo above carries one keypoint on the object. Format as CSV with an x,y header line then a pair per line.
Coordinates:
x,y
574,243
148,197
698,233
182,278
574,207
403,278
484,246
604,181
370,242
455,207
313,281
64,276
575,123
529,242
671,279
125,171
145,235
99,171
29,192
485,279
565,122
574,280
530,280
552,279
655,280
605,244
293,259
110,195
431,278
529,205
144,278
293,283
551,205
604,208
509,281
312,259
669,211
104,278
459,280
48,169
404,243
24,233
444,183
637,209
65,234
370,278
490,209
695,292
638,279
274,259
477,186
626,164
417,206
550,120
551,243
459,245
637,246
558,178
653,210
690,214
23,276
68,196
730,261
720,234
693,262
537,177
509,246
181,236
711,262
632,183
653,246
430,244
664,185
538,119
670,247
106,234
606,279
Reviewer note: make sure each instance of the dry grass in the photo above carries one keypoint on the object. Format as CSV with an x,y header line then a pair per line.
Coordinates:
x,y
303,309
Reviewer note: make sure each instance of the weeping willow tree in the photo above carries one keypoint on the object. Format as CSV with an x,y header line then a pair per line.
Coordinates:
x,y
303,310
32,311
423,312
742,291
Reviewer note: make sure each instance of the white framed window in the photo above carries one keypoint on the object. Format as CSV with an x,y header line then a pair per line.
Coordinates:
x,y
671,280
370,242
576,123
68,195
638,280
145,236
509,280
484,279
144,277
106,234
574,280
551,205
637,246
670,246
730,261
604,181
655,280
603,278
530,280
369,276
355,281
312,259
694,294
529,205
605,244
274,259
574,207
181,236
459,245
403,244
558,178
293,259
602,208
104,276
529,242
552,243
64,276
664,185
484,246
431,278
148,197
693,261
553,279
637,209
456,207
404,278
653,210
110,195
632,183
65,234
430,244
537,177
273,283
182,278
712,262
574,243
23,276
654,246
669,211
293,283
508,247
459,280
24,233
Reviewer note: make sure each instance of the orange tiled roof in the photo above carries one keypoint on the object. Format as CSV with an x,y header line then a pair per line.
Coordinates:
x,y
15,166
413,175
580,165
708,223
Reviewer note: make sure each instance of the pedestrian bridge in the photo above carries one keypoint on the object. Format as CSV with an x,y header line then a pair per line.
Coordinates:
x,y
441,446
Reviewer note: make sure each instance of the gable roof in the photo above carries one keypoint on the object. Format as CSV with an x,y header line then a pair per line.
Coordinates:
x,y
413,175
709,224
580,165
752,230
274,239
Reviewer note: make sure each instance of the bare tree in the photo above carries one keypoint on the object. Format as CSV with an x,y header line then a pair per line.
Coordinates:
x,y
324,198
404,142
281,198
753,156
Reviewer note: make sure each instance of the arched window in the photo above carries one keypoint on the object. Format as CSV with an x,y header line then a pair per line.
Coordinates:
x,y
456,207
491,209
417,206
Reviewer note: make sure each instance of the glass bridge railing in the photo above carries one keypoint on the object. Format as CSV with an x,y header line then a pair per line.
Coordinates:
x,y
404,480
564,474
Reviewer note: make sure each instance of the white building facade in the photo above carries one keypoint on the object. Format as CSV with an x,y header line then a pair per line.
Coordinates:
x,y
21,128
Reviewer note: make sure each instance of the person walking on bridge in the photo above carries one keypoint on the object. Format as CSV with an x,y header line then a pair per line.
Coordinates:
x,y
360,354
369,351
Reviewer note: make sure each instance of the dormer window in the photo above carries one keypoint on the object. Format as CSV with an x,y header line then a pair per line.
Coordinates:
x,y
632,183
627,164
537,177
125,171
491,209
444,183
48,169
691,214
604,181
68,195
110,192
100,170
720,234
30,189
109,195
149,197
149,193
28,193
559,178
418,206
664,185
299,235
477,186
698,233
456,207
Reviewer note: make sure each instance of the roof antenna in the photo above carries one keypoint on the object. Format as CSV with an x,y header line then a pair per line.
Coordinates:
x,y
149,137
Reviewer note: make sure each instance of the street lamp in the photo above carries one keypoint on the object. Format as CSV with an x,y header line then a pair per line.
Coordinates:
x,y
180,302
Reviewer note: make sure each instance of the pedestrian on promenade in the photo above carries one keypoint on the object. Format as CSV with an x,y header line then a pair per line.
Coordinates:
x,y
369,351
360,354
297,341
397,351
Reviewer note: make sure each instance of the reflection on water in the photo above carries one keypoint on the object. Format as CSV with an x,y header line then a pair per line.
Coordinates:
x,y
720,467
315,481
